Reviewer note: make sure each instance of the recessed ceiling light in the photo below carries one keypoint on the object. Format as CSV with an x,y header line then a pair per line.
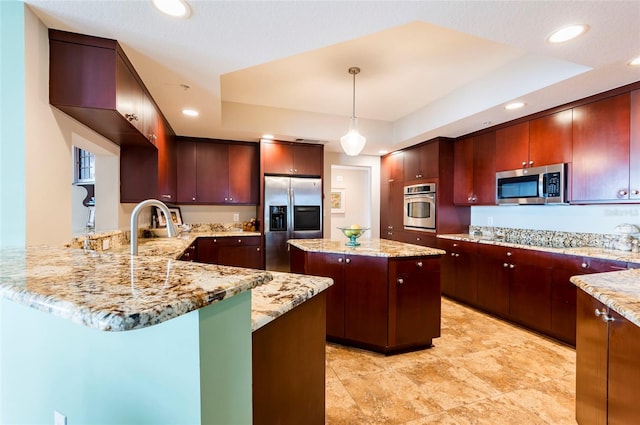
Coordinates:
x,y
267,136
190,112
635,62
567,33
514,105
175,8
382,152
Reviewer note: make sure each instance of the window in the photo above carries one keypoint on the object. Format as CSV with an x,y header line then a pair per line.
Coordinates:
x,y
84,166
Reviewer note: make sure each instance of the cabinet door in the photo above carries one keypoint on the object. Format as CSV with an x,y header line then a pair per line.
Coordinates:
x,y
484,171
600,169
530,290
331,265
244,170
512,147
366,299
307,159
276,158
392,167
186,170
463,171
550,138
167,164
206,250
247,256
624,371
493,280
138,168
448,266
466,287
414,301
212,173
634,148
411,164
421,162
129,96
591,362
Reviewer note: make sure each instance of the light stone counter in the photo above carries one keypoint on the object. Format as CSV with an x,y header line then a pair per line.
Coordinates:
x,y
372,247
113,291
618,290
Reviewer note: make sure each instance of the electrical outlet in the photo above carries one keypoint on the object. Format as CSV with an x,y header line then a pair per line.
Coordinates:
x,y
106,243
59,418
236,216
489,221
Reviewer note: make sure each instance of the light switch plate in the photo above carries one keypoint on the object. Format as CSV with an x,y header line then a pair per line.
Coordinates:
x,y
59,418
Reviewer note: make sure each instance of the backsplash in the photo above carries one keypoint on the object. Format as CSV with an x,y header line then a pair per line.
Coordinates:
x,y
548,238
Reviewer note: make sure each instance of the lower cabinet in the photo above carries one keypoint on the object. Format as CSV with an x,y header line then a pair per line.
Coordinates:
x,y
459,270
607,370
230,251
289,367
379,303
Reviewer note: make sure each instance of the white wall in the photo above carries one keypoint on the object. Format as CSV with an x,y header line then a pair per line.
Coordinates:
x,y
574,218
368,161
356,184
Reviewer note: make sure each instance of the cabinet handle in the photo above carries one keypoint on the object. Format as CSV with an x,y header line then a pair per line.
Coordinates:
x,y
400,281
239,240
193,199
524,164
505,265
348,260
530,162
295,170
153,137
166,196
602,314
453,254
258,249
509,254
622,192
635,192
391,180
131,117
390,233
584,265
339,260
457,255
511,266
419,264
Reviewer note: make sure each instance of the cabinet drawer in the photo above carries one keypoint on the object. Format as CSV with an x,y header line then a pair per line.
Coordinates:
x,y
460,247
583,265
237,241
412,265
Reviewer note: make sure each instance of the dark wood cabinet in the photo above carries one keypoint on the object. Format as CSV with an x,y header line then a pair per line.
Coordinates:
x,y
392,211
607,371
379,303
515,284
512,147
421,162
601,136
217,172
474,170
92,80
392,167
289,158
634,147
234,251
551,138
459,270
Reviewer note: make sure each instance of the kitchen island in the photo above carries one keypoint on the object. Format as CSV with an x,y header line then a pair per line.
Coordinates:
x,y
386,294
104,337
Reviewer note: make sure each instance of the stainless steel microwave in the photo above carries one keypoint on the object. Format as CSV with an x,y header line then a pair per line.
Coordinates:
x,y
532,186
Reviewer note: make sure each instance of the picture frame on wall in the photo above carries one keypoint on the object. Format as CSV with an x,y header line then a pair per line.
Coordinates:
x,y
176,216
337,201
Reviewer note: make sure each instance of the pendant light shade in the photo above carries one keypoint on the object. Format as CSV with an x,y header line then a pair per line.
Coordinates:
x,y
353,142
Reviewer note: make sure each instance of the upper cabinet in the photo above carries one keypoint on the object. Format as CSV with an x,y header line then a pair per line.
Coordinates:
x,y
91,79
421,162
392,167
541,141
601,152
474,176
217,172
301,159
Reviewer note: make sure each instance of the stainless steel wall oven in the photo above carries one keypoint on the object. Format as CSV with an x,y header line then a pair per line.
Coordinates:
x,y
420,207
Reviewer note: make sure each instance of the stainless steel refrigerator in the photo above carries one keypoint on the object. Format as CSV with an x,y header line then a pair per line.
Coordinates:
x,y
292,210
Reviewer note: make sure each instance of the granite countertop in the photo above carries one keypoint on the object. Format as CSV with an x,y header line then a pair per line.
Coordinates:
x,y
606,254
372,247
113,291
174,247
283,293
618,290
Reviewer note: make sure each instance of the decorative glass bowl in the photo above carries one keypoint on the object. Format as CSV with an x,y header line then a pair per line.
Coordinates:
x,y
353,234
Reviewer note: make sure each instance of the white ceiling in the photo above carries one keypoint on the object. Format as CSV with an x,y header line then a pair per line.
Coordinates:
x,y
429,68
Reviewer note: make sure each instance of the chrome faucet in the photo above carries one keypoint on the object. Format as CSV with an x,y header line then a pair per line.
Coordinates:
x,y
172,232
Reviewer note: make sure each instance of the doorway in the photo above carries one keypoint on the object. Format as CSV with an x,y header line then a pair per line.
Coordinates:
x,y
350,201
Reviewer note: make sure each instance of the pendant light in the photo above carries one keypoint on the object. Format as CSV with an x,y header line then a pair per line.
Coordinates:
x,y
353,142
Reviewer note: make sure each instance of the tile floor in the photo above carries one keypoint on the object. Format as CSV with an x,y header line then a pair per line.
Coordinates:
x,y
480,371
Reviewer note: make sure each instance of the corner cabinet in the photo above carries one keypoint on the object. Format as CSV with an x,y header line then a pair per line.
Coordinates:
x,y
217,172
607,370
92,80
378,303
243,251
291,158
